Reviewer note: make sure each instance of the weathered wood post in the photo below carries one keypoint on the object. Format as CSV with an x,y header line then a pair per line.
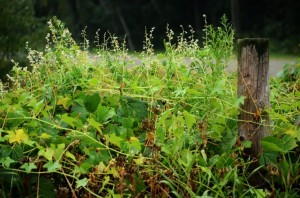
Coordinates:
x,y
253,83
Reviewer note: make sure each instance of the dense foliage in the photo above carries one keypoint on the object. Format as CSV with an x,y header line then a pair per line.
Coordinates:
x,y
18,26
115,124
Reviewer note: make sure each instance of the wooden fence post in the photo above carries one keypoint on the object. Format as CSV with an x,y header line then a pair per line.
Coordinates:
x,y
253,83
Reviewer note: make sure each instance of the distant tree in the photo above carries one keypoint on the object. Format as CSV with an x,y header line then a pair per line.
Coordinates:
x,y
17,26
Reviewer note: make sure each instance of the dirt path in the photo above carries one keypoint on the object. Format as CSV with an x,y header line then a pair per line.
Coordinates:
x,y
276,65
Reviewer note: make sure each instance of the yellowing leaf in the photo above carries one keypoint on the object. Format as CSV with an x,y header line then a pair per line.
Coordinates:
x,y
114,172
101,167
45,136
140,160
63,102
17,136
133,139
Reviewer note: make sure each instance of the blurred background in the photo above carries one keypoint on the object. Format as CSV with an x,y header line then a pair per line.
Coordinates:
x,y
26,20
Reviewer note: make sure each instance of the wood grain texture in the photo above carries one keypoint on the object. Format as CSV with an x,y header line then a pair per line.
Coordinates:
x,y
253,83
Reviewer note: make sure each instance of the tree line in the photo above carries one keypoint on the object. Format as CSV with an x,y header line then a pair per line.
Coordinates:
x,y
25,20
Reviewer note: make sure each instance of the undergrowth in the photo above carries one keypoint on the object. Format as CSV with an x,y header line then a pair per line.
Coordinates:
x,y
113,124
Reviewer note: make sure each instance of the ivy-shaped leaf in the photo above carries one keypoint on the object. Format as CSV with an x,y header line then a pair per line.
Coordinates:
x,y
37,106
58,150
29,142
64,101
28,167
47,153
52,166
239,101
180,91
82,182
6,161
17,136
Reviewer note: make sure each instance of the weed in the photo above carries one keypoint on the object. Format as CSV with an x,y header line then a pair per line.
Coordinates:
x,y
115,124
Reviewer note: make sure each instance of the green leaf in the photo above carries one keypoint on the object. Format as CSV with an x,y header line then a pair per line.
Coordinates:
x,y
186,157
134,142
268,158
239,101
115,140
80,110
14,152
37,106
213,160
127,122
272,143
29,142
247,144
69,120
47,153
6,161
180,91
82,182
104,113
52,166
258,193
219,86
45,136
190,119
284,145
132,107
93,81
104,182
112,193
58,150
28,167
71,156
289,142
83,168
187,160
91,102
95,124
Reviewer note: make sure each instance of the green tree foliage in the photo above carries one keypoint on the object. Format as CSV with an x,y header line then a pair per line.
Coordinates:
x,y
18,26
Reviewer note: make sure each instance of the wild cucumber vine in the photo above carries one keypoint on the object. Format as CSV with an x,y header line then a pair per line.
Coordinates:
x,y
116,124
